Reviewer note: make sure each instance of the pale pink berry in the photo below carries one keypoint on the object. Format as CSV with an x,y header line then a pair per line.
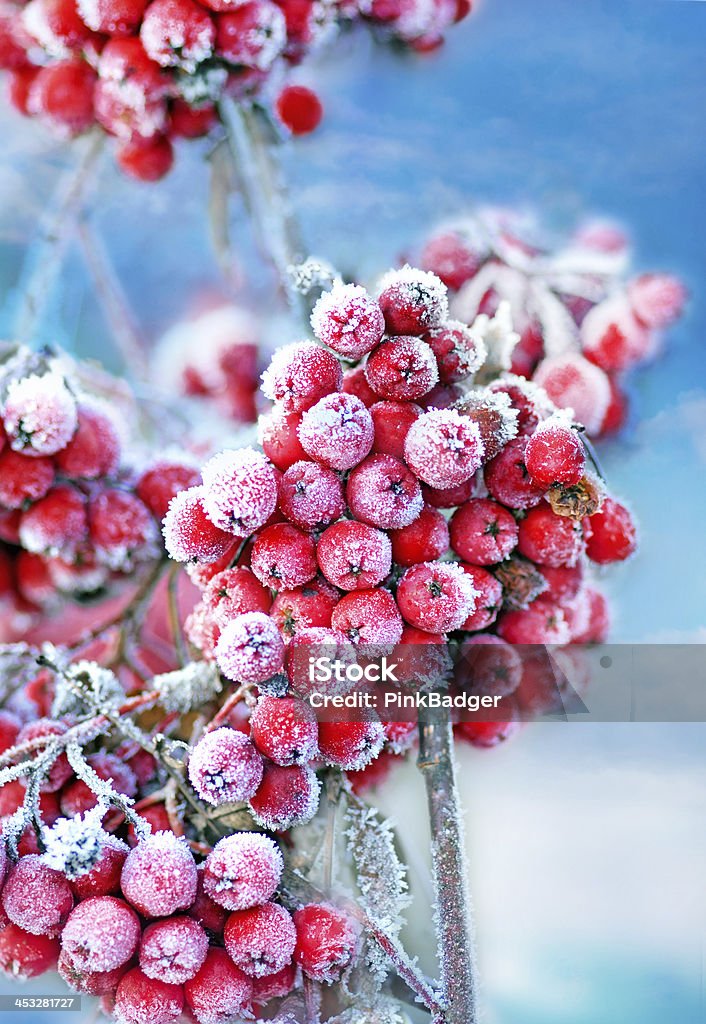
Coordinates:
x,y
444,448
243,871
354,556
283,557
657,299
220,992
612,336
159,875
250,649
173,950
240,490
301,374
143,1000
261,940
436,596
348,320
368,617
381,491
101,934
573,383
337,431
225,767
177,33
40,414
311,496
35,897
189,535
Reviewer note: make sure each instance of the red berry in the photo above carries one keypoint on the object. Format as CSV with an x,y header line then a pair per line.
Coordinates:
x,y
354,383
23,955
529,401
40,414
159,876
299,109
283,557
300,375
243,871
104,877
177,33
573,383
161,482
225,767
146,159
210,915
351,745
402,368
286,797
382,492
250,649
425,540
274,986
368,617
143,1000
10,726
311,496
483,532
77,797
56,524
436,596
459,353
173,950
617,412
261,940
488,734
555,454
60,770
94,450
611,535
354,556
280,439
542,623
220,991
62,94
19,83
412,301
550,539
121,528
348,320
489,665
450,497
187,122
23,479
452,258
284,729
36,898
304,607
240,490
232,593
102,933
55,25
507,479
95,983
189,535
326,942
612,337
489,600
253,35
337,431
563,581
444,448
392,421
597,625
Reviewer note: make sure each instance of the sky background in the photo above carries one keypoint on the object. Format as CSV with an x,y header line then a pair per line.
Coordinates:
x,y
587,847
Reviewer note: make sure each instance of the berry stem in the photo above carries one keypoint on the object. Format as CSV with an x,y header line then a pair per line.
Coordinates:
x,y
453,913
45,256
252,142
174,615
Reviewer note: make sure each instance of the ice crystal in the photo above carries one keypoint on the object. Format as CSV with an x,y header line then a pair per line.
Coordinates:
x,y
74,845
188,687
498,336
86,686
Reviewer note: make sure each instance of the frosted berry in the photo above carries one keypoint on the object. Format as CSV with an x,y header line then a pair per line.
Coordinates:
x,y
542,623
22,479
40,414
250,649
146,159
95,983
326,942
392,421
612,337
243,871
232,593
348,320
253,35
104,877
382,492
304,607
286,797
611,535
597,624
280,439
451,258
173,950
489,665
210,915
444,448
337,431
351,745
301,374
143,1000
368,617
177,33
189,535
459,352
550,539
657,299
220,991
225,767
60,771
354,556
436,596
299,109
531,403
311,496
120,528
283,557
555,454
102,933
113,17
94,450
483,532
159,875
261,940
284,729
450,497
35,897
62,95
274,986
23,955
507,479
425,540
412,301
489,599
402,369
354,383
240,490
573,383
161,481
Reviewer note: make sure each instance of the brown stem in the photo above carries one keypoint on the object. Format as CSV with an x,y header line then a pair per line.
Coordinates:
x,y
453,913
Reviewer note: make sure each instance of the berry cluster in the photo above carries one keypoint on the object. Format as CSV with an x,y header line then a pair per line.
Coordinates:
x,y
583,324
152,72
378,512
73,516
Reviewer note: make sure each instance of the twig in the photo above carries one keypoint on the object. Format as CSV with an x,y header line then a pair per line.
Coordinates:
x,y
453,915
312,1002
174,617
46,254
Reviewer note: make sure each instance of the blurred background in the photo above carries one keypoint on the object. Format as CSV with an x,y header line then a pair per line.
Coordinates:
x,y
586,842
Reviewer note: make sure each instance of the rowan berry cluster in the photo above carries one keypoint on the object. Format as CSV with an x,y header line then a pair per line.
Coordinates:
x,y
584,324
149,73
74,516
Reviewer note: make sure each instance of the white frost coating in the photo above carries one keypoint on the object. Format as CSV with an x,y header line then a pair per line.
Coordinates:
x,y
200,344
91,13
268,38
187,687
498,335
205,85
85,686
74,845
418,286
35,21
40,413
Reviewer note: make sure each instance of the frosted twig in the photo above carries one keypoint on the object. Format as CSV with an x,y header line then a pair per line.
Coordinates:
x,y
104,791
45,255
453,914
312,1001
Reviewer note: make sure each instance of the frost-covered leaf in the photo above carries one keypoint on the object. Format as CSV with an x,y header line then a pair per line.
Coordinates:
x,y
85,687
74,845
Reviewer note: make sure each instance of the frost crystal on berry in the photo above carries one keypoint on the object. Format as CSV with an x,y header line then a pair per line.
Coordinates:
x,y
74,845
225,767
348,320
250,649
497,335
240,490
186,688
40,414
413,301
444,448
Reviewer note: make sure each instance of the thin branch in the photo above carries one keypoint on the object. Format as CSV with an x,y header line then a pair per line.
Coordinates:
x,y
174,616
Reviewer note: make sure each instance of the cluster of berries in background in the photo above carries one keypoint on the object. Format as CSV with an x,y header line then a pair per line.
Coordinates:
x,y
584,322
149,73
